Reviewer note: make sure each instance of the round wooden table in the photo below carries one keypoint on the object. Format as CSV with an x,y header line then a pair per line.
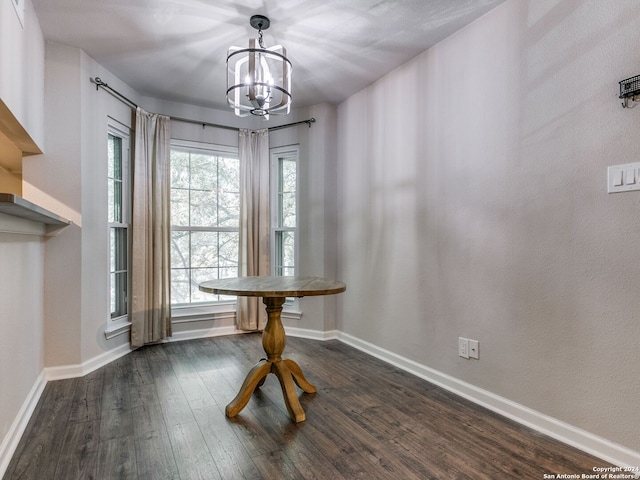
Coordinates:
x,y
274,291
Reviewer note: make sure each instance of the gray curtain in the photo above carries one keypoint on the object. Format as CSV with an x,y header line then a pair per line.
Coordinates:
x,y
254,222
150,288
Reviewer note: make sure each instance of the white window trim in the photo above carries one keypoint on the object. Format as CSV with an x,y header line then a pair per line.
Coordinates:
x,y
122,324
184,313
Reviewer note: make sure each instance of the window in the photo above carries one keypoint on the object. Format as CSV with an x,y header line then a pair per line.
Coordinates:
x,y
284,210
119,220
205,210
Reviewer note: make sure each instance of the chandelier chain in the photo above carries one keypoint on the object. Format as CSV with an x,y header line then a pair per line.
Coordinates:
x,y
260,38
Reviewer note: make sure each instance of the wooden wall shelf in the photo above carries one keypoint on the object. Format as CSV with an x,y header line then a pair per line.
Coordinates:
x,y
16,206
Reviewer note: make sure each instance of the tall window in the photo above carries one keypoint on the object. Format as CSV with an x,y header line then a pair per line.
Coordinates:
x,y
205,209
119,220
284,210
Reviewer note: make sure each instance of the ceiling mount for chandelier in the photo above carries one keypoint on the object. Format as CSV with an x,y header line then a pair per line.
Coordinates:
x,y
258,78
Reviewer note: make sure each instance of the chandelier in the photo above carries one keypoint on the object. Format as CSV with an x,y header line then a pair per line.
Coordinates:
x,y
258,78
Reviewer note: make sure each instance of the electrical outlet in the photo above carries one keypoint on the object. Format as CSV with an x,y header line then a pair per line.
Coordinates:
x,y
474,349
463,347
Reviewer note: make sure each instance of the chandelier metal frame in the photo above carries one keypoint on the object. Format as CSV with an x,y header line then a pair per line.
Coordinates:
x,y
259,78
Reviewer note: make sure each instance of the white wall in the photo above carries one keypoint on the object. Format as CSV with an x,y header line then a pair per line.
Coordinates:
x,y
21,346
473,203
317,208
69,179
21,256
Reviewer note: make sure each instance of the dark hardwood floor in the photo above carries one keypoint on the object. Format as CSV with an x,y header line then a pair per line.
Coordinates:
x,y
158,413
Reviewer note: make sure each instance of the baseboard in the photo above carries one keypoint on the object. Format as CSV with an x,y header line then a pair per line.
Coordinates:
x,y
311,334
13,436
82,369
581,439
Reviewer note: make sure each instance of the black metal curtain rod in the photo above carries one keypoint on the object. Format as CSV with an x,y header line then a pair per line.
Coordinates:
x,y
100,84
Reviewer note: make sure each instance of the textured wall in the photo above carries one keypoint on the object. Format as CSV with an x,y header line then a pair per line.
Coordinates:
x,y
473,203
21,352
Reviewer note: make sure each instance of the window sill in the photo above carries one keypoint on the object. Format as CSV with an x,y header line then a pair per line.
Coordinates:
x,y
291,313
116,329
197,313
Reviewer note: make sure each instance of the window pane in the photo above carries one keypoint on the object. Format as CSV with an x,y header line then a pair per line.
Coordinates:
x,y
118,296
114,157
229,209
288,250
110,156
288,168
118,263
179,207
203,210
179,169
199,275
285,252
112,250
203,172
204,249
117,158
121,248
180,285
179,249
113,294
288,272
288,210
117,201
229,174
228,250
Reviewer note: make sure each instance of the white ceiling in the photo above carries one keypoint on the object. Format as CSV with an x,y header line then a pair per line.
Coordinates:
x,y
176,49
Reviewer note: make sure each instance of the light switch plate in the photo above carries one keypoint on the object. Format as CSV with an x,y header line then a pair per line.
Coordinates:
x,y
474,349
623,178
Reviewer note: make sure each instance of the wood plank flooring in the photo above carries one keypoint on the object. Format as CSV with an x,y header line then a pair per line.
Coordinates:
x,y
158,413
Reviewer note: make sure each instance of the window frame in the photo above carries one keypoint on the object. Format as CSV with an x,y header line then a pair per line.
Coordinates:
x,y
187,312
275,155
120,323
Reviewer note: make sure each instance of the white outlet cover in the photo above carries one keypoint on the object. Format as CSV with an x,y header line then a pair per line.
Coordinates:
x,y
463,347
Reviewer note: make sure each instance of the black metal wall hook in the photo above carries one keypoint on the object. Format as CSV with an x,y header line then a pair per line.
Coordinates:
x,y
629,88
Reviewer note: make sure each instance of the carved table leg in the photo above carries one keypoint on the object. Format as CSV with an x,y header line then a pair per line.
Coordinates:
x,y
254,378
299,377
287,371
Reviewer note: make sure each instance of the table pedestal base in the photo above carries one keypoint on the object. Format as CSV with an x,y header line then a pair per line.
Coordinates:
x,y
287,371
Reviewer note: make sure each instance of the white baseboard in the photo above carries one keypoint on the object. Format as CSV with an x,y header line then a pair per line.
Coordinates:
x,y
82,369
581,439
311,334
13,436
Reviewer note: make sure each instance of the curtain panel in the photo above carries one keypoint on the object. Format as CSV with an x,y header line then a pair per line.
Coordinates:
x,y
253,150
150,269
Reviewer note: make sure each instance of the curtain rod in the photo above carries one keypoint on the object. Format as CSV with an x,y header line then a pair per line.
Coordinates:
x,y
100,84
